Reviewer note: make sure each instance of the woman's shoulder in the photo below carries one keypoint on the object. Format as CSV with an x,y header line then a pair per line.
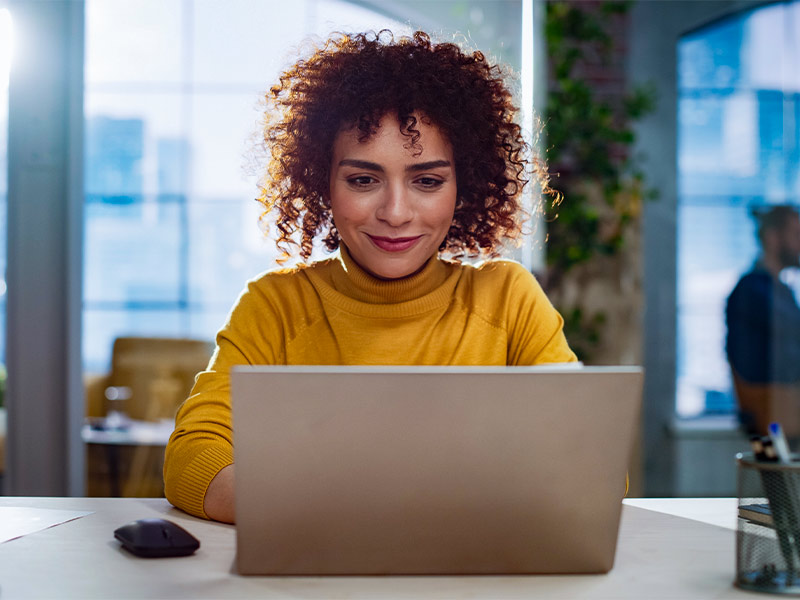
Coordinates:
x,y
497,285
286,278
282,288
497,271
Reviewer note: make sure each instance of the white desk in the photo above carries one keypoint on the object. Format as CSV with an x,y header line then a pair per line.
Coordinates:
x,y
684,555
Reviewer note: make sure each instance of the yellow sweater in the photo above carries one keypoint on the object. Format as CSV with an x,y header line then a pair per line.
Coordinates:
x,y
332,312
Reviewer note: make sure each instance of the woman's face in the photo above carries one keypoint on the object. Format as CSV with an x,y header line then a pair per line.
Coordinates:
x,y
392,209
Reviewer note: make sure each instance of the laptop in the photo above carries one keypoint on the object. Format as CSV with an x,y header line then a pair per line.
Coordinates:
x,y
431,470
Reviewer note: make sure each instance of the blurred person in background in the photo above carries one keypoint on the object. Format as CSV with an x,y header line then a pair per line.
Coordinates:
x,y
763,321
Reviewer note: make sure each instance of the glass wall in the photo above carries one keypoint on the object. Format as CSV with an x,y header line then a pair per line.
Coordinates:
x,y
172,94
738,149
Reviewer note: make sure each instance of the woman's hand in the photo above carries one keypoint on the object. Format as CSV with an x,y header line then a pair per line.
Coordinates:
x,y
218,502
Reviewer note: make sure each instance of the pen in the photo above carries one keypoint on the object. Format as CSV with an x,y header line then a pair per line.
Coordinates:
x,y
779,443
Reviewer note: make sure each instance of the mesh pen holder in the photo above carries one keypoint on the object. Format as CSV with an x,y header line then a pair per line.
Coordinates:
x,y
768,536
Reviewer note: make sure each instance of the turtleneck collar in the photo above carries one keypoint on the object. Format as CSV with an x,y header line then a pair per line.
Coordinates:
x,y
353,281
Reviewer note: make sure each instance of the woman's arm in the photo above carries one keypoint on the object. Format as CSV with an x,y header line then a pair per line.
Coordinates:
x,y
199,457
218,503
535,328
202,444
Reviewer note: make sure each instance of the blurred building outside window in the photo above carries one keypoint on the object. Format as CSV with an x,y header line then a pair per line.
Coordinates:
x,y
172,90
738,148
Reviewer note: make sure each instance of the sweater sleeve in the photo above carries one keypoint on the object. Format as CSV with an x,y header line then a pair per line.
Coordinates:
x,y
535,328
202,443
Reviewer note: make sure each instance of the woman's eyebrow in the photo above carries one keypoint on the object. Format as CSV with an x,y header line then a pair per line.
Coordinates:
x,y
431,164
360,164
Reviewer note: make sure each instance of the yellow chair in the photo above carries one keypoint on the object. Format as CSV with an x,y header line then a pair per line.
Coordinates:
x,y
159,373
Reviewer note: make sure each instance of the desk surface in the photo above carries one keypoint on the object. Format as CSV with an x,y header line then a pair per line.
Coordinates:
x,y
667,549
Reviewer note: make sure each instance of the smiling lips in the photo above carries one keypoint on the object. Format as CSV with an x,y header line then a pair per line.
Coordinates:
x,y
394,244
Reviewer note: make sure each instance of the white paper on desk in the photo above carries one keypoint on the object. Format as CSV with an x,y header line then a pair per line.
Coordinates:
x,y
16,521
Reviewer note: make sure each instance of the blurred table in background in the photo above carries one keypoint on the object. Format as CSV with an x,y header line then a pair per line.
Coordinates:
x,y
132,456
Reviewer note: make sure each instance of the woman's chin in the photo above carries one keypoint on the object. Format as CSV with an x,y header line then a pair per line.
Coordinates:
x,y
394,269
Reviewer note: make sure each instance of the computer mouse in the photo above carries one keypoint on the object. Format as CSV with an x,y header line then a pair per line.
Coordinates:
x,y
156,538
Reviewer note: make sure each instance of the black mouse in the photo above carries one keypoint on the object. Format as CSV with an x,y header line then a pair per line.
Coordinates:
x,y
156,538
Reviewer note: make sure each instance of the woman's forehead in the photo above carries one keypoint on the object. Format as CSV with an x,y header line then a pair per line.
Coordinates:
x,y
367,125
390,137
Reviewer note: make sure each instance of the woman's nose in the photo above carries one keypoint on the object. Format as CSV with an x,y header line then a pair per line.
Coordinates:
x,y
395,209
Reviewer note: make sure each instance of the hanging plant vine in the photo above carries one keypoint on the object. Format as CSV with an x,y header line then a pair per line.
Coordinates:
x,y
589,151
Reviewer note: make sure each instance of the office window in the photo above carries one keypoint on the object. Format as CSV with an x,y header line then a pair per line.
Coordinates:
x,y
171,102
5,64
738,148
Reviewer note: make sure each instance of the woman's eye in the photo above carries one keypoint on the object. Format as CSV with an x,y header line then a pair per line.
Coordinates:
x,y
361,180
430,183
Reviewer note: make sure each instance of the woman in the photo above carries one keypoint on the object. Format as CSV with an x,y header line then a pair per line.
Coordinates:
x,y
394,152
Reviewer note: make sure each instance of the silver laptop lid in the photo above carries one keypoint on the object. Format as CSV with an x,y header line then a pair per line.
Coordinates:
x,y
389,470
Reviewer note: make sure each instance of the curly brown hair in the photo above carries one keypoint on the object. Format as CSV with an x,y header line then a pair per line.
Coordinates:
x,y
353,80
